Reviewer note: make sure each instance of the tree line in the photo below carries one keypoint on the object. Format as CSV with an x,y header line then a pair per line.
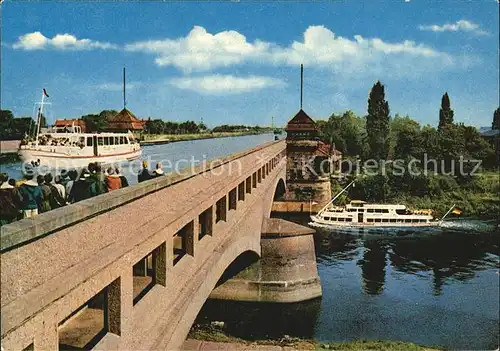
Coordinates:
x,y
12,128
380,137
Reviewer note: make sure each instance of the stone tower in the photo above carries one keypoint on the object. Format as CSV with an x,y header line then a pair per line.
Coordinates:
x,y
309,162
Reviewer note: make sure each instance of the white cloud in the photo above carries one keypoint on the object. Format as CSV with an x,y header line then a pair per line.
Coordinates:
x,y
37,41
225,84
200,50
459,26
203,51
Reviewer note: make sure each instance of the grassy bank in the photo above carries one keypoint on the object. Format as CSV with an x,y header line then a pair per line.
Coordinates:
x,y
216,334
159,138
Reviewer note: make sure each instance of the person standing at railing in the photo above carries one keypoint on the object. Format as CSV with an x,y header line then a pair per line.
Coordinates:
x,y
144,173
123,179
10,201
113,181
30,192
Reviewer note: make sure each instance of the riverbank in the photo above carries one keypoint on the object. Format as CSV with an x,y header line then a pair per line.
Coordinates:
x,y
476,196
9,157
155,139
213,338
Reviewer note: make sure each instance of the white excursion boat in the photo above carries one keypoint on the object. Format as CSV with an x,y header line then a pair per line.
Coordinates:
x,y
68,147
360,214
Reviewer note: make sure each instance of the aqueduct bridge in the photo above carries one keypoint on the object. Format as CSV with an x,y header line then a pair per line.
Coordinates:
x,y
140,261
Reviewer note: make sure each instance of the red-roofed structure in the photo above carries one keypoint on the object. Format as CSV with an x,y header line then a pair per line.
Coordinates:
x,y
125,120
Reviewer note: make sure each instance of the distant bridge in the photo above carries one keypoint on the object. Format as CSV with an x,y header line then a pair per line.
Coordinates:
x,y
131,269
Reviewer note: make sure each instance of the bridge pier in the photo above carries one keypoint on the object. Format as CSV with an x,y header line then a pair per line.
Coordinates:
x,y
286,272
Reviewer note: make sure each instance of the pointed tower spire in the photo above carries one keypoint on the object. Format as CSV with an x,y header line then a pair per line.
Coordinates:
x,y
124,101
301,83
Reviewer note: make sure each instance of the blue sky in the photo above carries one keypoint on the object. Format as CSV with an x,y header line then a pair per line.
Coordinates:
x,y
238,62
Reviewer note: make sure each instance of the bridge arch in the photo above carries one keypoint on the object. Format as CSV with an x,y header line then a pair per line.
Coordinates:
x,y
180,326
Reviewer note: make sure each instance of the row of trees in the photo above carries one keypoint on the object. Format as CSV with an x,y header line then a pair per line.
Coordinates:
x,y
378,136
159,126
12,128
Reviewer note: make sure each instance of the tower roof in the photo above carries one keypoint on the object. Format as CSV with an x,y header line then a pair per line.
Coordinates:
x,y
301,122
125,120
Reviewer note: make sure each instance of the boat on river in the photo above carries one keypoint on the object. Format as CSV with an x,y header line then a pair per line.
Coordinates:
x,y
68,147
360,215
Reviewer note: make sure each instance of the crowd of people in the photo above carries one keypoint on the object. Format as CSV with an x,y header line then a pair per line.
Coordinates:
x,y
36,194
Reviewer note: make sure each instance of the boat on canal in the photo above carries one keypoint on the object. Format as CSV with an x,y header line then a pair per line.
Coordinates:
x,y
68,147
362,215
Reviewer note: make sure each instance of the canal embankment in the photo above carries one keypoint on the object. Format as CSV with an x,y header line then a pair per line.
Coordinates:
x,y
158,139
8,151
212,337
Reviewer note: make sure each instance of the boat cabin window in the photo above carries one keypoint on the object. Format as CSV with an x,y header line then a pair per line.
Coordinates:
x,y
407,220
370,219
111,140
117,140
348,219
89,141
385,220
352,210
361,210
106,140
126,140
378,219
393,220
326,218
370,210
100,141
341,219
401,212
385,210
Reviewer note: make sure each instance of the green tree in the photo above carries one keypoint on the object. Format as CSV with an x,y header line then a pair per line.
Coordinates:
x,y
445,113
377,123
496,119
408,142
345,132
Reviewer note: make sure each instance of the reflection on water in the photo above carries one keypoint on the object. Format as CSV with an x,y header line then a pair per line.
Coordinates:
x,y
258,321
373,267
432,287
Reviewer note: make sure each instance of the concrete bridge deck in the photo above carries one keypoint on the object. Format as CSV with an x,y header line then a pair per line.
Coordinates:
x,y
171,238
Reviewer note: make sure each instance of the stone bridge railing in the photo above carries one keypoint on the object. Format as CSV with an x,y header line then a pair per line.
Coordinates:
x,y
131,268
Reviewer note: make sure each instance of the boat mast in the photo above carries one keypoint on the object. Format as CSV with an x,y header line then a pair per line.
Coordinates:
x,y
39,118
336,196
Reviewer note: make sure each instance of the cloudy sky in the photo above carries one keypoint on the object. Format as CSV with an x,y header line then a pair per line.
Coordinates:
x,y
239,62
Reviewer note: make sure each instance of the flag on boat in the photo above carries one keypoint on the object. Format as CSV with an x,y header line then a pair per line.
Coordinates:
x,y
457,211
45,92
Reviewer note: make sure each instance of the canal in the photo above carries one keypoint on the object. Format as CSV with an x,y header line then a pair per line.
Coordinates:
x,y
436,287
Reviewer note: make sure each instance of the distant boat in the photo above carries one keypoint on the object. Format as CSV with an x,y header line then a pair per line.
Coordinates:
x,y
69,147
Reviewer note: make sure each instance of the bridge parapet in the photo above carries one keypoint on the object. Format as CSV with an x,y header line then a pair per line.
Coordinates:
x,y
140,266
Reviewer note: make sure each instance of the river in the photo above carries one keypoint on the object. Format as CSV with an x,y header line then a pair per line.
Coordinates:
x,y
438,287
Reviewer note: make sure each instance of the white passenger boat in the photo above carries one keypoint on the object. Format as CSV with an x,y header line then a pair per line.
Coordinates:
x,y
360,214
68,147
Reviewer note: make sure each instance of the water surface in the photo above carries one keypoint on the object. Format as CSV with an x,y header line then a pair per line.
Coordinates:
x,y
431,287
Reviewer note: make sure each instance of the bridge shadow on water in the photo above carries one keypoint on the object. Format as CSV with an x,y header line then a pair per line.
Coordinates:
x,y
431,287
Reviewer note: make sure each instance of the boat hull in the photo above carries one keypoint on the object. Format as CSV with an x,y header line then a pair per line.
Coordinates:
x,y
373,226
63,161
